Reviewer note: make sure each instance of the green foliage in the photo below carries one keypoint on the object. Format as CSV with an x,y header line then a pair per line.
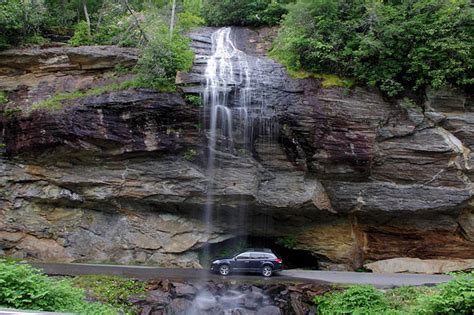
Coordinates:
x,y
162,58
393,45
243,12
3,97
24,287
81,35
111,25
454,297
405,299
19,21
361,299
112,290
287,242
194,100
190,155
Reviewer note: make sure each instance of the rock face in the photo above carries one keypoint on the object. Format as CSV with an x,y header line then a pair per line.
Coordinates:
x,y
416,265
351,177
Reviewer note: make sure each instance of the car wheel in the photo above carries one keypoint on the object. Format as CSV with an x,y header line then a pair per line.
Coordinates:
x,y
267,271
224,270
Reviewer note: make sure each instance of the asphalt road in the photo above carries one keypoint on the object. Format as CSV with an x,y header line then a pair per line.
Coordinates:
x,y
292,275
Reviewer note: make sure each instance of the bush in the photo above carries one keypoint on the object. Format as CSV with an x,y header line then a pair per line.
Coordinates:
x,y
454,297
361,299
243,12
81,35
393,45
162,58
23,287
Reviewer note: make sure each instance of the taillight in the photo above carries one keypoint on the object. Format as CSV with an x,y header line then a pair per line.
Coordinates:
x,y
278,261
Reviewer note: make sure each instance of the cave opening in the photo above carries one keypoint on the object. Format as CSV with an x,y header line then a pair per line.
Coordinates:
x,y
292,258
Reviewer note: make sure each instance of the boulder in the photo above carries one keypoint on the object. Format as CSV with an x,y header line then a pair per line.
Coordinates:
x,y
416,265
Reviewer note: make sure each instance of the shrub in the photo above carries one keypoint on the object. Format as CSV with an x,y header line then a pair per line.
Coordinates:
x,y
360,299
24,287
392,45
162,58
194,100
453,297
81,35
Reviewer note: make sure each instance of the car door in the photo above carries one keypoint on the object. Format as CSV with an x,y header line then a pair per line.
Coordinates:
x,y
242,262
256,260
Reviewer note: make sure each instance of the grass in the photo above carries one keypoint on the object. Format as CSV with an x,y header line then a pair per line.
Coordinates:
x,y
56,102
112,290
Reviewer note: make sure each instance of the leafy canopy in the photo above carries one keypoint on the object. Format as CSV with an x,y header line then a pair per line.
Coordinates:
x,y
390,44
244,12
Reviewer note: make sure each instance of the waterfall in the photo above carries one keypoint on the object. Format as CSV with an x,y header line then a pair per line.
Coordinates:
x,y
234,106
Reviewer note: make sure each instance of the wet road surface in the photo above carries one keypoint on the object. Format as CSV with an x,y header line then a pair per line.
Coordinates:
x,y
194,275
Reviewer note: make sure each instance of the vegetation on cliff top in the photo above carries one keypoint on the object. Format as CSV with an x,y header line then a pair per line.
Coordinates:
x,y
392,44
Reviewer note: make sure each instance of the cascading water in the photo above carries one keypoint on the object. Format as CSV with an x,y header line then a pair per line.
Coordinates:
x,y
235,116
235,109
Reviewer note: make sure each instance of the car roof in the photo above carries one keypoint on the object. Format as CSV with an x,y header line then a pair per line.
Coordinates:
x,y
264,250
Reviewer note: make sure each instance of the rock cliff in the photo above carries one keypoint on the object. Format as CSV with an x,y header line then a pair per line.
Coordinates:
x,y
352,177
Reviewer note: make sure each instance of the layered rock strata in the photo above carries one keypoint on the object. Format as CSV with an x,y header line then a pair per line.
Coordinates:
x,y
352,177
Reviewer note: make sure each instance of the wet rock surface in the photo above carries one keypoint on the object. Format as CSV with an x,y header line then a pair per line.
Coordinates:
x,y
352,177
229,298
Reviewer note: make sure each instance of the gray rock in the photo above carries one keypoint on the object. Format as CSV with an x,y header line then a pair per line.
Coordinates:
x,y
269,310
158,297
184,290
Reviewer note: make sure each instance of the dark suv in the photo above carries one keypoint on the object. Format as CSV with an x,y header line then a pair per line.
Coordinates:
x,y
261,260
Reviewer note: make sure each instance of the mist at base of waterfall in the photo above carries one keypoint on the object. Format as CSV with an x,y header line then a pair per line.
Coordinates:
x,y
229,302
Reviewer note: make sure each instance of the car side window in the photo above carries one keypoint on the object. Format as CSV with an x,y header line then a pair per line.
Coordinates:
x,y
256,256
243,256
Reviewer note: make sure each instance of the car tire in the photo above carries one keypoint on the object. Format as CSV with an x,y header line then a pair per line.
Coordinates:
x,y
267,271
224,270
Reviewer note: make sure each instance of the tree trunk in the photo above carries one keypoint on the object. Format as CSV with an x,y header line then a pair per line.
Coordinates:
x,y
88,20
173,12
